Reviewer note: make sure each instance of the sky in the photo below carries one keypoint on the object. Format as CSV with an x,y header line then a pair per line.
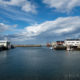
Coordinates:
x,y
39,21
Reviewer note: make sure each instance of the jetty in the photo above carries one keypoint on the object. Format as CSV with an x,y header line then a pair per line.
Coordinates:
x,y
28,45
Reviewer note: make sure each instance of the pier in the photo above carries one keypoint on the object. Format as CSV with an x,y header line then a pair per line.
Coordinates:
x,y
28,45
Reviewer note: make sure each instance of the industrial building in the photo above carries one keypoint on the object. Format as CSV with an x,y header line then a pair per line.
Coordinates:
x,y
72,42
5,44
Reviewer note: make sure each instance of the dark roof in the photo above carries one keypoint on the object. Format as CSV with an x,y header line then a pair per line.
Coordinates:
x,y
59,41
73,39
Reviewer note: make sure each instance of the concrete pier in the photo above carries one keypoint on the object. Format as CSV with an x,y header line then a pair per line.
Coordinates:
x,y
27,45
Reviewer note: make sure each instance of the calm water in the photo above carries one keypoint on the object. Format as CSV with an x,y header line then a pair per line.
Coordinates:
x,y
39,64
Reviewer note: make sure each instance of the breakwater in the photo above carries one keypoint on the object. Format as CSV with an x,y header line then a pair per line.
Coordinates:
x,y
28,45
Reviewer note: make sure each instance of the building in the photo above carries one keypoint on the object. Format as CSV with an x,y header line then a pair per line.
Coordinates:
x,y
5,43
72,42
48,45
53,44
59,42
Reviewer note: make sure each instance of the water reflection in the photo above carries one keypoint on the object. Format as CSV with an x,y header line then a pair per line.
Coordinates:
x,y
71,76
3,54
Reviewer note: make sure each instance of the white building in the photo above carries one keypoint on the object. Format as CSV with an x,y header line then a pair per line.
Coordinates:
x,y
72,42
4,43
53,44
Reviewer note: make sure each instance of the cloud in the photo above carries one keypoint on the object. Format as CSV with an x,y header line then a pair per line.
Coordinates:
x,y
28,7
5,27
16,14
60,25
62,5
25,5
60,28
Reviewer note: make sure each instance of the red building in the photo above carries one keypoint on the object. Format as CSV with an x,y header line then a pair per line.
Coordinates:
x,y
48,44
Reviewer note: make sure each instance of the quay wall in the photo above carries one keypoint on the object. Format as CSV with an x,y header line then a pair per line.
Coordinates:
x,y
27,45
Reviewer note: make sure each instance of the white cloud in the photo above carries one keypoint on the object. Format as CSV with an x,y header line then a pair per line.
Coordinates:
x,y
50,29
25,5
28,7
5,27
62,5
60,25
12,2
16,14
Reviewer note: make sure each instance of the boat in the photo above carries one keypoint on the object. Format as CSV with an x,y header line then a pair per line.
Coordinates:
x,y
60,47
51,48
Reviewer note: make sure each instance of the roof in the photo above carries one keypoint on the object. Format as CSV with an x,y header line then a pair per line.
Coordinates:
x,y
72,39
59,41
4,41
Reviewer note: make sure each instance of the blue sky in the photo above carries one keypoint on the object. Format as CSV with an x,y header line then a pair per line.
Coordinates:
x,y
39,21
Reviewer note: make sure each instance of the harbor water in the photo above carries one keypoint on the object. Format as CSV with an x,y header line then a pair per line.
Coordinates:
x,y
39,63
